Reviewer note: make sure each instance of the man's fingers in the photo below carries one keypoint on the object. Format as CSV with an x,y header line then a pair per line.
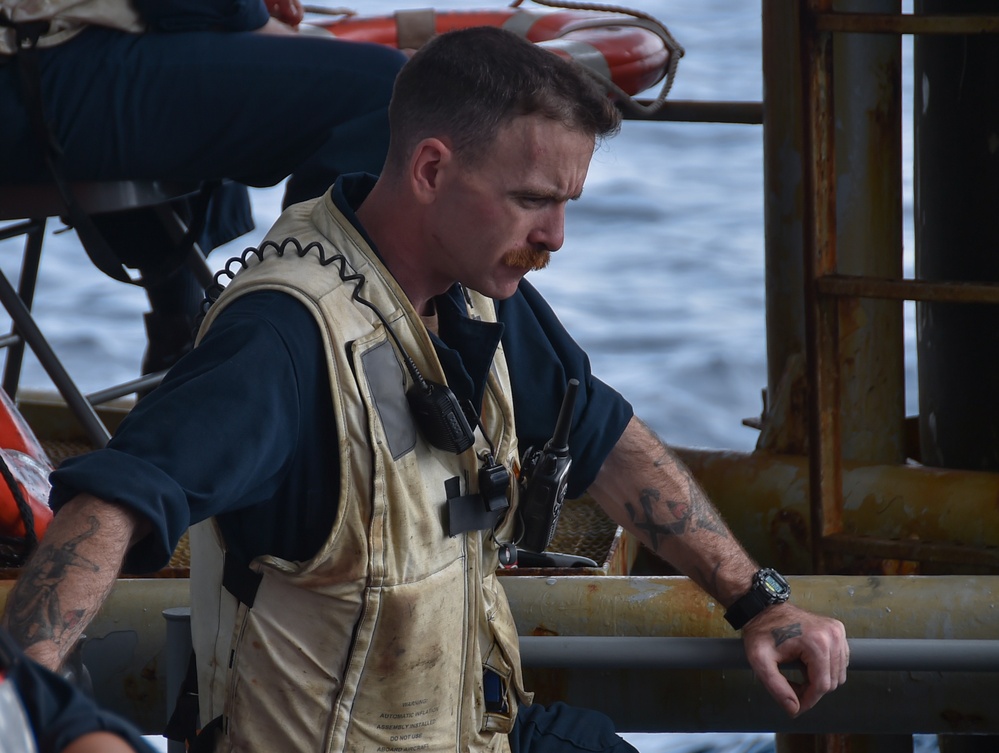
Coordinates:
x,y
819,644
825,658
780,688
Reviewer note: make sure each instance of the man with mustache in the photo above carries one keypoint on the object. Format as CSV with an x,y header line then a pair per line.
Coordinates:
x,y
343,438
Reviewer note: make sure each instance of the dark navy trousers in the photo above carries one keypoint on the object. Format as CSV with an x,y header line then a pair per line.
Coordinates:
x,y
565,729
201,105
194,106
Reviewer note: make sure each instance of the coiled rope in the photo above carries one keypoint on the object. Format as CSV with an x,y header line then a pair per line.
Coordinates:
x,y
629,104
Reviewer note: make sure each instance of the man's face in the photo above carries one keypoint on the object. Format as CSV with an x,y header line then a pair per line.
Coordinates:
x,y
503,216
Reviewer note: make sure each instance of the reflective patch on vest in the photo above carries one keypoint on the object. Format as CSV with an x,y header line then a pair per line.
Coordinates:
x,y
15,733
387,383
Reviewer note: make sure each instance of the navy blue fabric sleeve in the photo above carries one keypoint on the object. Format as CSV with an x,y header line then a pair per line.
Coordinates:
x,y
58,712
218,435
560,728
543,357
203,15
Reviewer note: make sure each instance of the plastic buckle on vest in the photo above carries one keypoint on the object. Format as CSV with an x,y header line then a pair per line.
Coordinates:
x,y
494,692
477,512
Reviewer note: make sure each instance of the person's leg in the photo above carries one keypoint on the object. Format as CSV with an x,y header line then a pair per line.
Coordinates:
x,y
565,729
203,105
197,106
174,293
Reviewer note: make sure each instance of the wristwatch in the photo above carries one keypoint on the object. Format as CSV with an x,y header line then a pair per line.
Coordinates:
x,y
769,587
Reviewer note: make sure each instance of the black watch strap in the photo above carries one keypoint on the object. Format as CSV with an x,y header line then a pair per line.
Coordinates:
x,y
769,587
746,608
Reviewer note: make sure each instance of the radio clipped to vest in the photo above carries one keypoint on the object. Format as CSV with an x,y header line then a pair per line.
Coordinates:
x,y
544,477
435,409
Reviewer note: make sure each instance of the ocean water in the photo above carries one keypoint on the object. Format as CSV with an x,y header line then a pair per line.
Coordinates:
x,y
661,277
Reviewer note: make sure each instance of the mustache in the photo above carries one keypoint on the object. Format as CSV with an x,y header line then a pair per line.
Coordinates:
x,y
528,258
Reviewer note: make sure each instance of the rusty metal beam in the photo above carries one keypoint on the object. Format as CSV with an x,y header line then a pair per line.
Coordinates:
x,y
908,289
884,23
919,512
913,550
688,111
126,644
653,699
866,654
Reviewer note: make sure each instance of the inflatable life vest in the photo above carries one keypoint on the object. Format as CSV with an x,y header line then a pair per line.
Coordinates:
x,y
24,486
629,50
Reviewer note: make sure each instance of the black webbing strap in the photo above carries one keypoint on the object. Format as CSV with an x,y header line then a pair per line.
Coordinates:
x,y
471,512
239,580
183,724
27,34
205,741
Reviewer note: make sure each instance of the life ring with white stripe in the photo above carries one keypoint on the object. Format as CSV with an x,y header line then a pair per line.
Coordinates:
x,y
628,50
24,489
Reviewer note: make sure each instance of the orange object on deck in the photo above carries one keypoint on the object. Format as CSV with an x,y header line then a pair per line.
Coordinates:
x,y
22,455
633,53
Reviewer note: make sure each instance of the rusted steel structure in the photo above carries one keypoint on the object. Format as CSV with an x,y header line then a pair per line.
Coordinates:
x,y
895,549
127,652
830,292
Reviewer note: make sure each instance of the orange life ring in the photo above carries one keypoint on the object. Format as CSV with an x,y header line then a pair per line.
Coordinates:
x,y
29,467
628,51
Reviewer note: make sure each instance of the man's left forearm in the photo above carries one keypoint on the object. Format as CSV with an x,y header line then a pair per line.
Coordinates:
x,y
646,489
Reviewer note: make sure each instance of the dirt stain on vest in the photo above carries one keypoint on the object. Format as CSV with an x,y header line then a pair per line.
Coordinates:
x,y
410,642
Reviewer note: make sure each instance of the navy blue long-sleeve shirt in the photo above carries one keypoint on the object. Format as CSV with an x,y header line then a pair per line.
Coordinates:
x,y
58,712
242,428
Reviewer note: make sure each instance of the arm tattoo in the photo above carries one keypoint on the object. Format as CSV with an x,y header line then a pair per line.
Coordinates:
x,y
707,516
695,515
786,633
36,614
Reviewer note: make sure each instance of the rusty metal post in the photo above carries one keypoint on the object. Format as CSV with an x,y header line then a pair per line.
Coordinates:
x,y
784,429
852,131
821,313
868,228
956,112
868,134
957,237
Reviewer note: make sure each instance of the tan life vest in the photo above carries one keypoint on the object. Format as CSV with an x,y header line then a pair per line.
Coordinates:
x,y
67,18
379,642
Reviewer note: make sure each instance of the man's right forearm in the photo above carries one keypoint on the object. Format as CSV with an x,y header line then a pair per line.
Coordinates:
x,y
69,577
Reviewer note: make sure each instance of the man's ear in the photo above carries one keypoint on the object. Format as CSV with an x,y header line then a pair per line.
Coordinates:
x,y
431,159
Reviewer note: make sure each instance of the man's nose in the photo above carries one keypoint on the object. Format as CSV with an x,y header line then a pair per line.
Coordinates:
x,y
549,232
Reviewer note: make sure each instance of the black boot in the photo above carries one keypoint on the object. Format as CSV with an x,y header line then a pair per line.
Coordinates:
x,y
168,338
170,325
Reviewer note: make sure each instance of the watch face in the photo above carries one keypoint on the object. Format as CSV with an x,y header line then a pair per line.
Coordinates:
x,y
773,585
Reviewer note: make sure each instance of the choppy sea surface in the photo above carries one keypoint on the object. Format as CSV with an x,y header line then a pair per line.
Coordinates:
x,y
661,277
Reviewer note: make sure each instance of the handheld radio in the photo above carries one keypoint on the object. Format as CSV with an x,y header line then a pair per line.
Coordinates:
x,y
543,480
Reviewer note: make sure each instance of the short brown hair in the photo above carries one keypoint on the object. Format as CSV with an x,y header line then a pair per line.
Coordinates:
x,y
464,85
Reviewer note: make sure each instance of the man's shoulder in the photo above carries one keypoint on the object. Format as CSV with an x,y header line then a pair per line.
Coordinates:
x,y
273,307
266,314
